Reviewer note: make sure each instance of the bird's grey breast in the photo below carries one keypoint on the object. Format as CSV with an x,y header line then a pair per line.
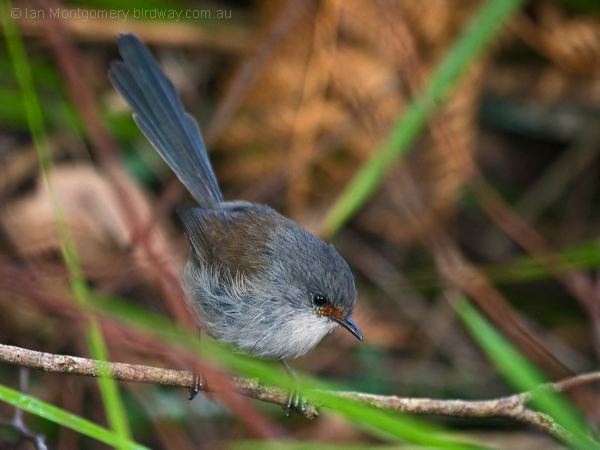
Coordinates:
x,y
228,278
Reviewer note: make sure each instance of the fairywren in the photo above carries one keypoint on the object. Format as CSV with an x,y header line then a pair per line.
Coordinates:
x,y
258,281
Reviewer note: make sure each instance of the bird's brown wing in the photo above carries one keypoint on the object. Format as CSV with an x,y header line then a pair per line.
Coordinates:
x,y
232,237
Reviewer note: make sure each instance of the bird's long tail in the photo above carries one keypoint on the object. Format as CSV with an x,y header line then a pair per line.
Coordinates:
x,y
162,118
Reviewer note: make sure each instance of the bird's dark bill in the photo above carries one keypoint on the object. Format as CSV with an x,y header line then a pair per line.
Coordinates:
x,y
349,325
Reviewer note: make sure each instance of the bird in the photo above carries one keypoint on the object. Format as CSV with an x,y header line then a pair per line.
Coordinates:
x,y
257,280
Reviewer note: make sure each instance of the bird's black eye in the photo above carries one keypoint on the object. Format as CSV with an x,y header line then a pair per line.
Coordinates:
x,y
319,300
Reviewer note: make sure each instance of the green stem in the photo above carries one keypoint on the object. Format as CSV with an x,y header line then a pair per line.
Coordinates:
x,y
482,28
64,418
95,340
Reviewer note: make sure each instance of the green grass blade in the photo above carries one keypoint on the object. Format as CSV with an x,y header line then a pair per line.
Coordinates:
x,y
64,418
306,445
523,376
584,255
479,33
108,387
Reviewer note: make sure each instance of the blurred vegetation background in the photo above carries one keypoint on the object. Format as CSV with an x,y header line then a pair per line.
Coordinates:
x,y
495,198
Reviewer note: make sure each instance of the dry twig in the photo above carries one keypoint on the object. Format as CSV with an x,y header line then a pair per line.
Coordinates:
x,y
514,406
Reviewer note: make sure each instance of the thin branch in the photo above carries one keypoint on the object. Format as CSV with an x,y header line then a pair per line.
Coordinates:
x,y
513,406
136,373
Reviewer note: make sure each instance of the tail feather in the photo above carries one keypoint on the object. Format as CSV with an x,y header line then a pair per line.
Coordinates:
x,y
159,113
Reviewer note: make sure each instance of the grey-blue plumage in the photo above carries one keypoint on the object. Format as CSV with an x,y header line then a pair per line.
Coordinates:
x,y
257,279
162,118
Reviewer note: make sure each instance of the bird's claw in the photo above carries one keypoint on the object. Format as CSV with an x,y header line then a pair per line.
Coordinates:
x,y
295,403
197,386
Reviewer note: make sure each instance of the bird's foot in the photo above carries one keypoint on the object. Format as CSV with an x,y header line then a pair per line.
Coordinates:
x,y
295,403
198,385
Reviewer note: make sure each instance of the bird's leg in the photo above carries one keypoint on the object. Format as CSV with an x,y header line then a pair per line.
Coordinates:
x,y
198,385
295,403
